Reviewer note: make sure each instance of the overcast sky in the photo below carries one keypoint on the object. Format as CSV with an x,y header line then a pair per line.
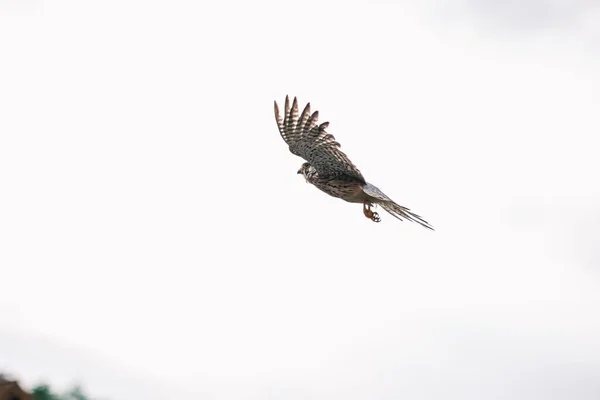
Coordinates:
x,y
156,241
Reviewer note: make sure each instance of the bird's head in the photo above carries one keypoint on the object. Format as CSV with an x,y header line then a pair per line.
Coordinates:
x,y
304,170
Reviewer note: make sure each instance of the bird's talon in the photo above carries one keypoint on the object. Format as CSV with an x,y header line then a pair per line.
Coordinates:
x,y
375,217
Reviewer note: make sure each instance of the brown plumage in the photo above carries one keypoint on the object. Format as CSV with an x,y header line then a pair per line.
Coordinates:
x,y
328,168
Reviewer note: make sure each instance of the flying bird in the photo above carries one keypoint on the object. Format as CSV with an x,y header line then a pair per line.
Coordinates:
x,y
330,169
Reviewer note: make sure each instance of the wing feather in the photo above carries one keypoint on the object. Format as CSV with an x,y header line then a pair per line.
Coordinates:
x,y
311,141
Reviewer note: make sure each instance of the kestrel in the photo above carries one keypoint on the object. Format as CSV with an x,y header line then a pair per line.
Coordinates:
x,y
328,168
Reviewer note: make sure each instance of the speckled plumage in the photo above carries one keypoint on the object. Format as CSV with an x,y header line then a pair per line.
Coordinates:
x,y
328,168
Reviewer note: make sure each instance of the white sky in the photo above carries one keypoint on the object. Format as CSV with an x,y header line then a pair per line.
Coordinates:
x,y
155,238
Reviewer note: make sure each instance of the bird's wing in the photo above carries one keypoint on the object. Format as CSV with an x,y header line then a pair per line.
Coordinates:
x,y
391,207
310,141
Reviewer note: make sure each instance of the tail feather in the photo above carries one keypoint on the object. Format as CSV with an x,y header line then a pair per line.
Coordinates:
x,y
401,213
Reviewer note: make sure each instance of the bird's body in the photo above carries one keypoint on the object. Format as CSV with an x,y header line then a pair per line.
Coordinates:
x,y
340,187
328,168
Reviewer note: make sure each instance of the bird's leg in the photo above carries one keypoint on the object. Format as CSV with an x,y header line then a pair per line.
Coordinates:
x,y
372,215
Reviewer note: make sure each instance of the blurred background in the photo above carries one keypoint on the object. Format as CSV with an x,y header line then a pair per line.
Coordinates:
x,y
155,240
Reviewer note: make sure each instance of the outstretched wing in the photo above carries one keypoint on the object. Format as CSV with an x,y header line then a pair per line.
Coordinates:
x,y
391,207
310,141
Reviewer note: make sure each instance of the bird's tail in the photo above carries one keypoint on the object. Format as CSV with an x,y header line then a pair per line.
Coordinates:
x,y
402,213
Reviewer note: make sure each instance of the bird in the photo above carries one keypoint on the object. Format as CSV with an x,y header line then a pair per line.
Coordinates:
x,y
330,169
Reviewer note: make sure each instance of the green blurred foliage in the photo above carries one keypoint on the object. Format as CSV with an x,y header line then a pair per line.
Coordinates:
x,y
44,392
